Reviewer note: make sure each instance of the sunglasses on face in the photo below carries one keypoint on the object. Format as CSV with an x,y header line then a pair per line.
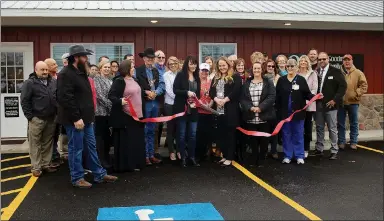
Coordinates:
x,y
160,57
290,66
322,59
271,66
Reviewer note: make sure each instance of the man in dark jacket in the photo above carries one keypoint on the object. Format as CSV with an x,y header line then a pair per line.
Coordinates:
x,y
38,100
332,85
153,86
77,114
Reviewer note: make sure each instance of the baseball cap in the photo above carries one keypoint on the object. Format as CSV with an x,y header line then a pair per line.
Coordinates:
x,y
65,55
204,66
348,56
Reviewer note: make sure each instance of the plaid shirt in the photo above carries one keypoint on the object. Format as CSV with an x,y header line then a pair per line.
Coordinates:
x,y
255,91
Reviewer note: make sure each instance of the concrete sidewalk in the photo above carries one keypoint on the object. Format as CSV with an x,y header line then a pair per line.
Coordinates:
x,y
364,135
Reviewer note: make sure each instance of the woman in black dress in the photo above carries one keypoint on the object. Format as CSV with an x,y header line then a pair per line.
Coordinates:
x,y
128,134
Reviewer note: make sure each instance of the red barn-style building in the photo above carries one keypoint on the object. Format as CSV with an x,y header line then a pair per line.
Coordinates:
x,y
35,30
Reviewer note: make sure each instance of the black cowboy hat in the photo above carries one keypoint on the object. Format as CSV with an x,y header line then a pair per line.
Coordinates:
x,y
79,50
148,52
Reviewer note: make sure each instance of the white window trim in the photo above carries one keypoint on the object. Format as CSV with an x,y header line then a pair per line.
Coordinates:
x,y
92,57
208,43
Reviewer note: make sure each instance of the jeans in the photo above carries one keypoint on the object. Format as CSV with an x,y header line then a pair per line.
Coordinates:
x,y
183,122
80,140
353,111
293,139
151,110
329,117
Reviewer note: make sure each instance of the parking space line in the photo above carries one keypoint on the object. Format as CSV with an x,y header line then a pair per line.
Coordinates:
x,y
15,167
16,177
10,210
10,192
277,193
368,148
15,158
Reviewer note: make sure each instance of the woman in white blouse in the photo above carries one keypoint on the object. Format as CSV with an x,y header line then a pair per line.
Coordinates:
x,y
169,78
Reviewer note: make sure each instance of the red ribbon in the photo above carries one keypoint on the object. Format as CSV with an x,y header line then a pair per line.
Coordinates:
x,y
280,124
198,105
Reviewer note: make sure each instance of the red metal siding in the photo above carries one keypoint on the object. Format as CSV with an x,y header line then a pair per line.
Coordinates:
x,y
183,41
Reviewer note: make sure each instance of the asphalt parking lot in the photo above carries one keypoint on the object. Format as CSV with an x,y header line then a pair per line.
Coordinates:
x,y
350,188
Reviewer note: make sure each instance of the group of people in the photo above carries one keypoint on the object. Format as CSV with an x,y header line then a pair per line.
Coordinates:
x,y
117,105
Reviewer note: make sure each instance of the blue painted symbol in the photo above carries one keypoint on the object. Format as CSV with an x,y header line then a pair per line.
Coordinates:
x,y
192,211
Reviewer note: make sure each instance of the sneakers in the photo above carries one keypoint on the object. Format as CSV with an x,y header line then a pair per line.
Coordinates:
x,y
172,156
36,173
305,154
222,160
286,161
226,163
82,184
300,161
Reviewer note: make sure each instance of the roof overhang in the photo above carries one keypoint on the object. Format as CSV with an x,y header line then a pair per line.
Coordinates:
x,y
134,18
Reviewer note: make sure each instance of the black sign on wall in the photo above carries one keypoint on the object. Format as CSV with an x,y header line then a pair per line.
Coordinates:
x,y
11,106
336,60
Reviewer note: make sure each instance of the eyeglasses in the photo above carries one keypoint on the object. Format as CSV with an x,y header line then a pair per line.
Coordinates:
x,y
271,66
160,57
290,66
322,59
172,64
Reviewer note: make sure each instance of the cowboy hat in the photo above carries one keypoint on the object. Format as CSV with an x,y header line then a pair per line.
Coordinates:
x,y
148,52
79,50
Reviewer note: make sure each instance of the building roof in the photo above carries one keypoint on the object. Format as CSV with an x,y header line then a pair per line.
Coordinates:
x,y
362,12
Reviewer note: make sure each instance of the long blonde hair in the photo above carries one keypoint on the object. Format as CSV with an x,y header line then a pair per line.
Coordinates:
x,y
218,76
306,58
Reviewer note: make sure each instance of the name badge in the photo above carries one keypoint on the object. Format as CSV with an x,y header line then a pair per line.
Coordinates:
x,y
330,77
295,87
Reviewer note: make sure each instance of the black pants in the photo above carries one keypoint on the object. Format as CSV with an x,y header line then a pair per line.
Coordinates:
x,y
259,145
226,138
204,135
308,130
171,128
103,140
273,139
241,143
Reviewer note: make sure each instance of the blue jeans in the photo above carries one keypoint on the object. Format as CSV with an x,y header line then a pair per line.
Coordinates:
x,y
151,110
181,131
80,140
353,111
293,139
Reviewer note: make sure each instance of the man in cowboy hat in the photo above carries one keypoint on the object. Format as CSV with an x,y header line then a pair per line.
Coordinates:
x,y
76,113
152,84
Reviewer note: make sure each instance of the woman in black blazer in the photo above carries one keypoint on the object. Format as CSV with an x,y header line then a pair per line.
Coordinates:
x,y
292,91
187,86
257,103
225,91
128,134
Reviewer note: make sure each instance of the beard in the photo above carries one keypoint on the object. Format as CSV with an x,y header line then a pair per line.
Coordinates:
x,y
81,65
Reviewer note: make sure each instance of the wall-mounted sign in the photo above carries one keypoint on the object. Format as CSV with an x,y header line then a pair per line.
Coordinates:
x,y
11,106
336,60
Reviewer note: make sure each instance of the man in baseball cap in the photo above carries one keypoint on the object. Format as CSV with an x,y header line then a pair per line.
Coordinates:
x,y
356,86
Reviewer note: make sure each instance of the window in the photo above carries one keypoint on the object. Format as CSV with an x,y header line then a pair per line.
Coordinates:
x,y
12,72
216,50
115,51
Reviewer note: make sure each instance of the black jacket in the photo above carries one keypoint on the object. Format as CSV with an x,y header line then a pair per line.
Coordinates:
x,y
181,88
38,99
232,90
118,118
299,97
74,97
334,87
142,79
266,103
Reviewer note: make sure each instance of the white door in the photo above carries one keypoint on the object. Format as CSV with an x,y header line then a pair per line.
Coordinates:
x,y
16,65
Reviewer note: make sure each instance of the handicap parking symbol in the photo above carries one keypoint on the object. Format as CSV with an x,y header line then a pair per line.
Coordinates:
x,y
192,211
